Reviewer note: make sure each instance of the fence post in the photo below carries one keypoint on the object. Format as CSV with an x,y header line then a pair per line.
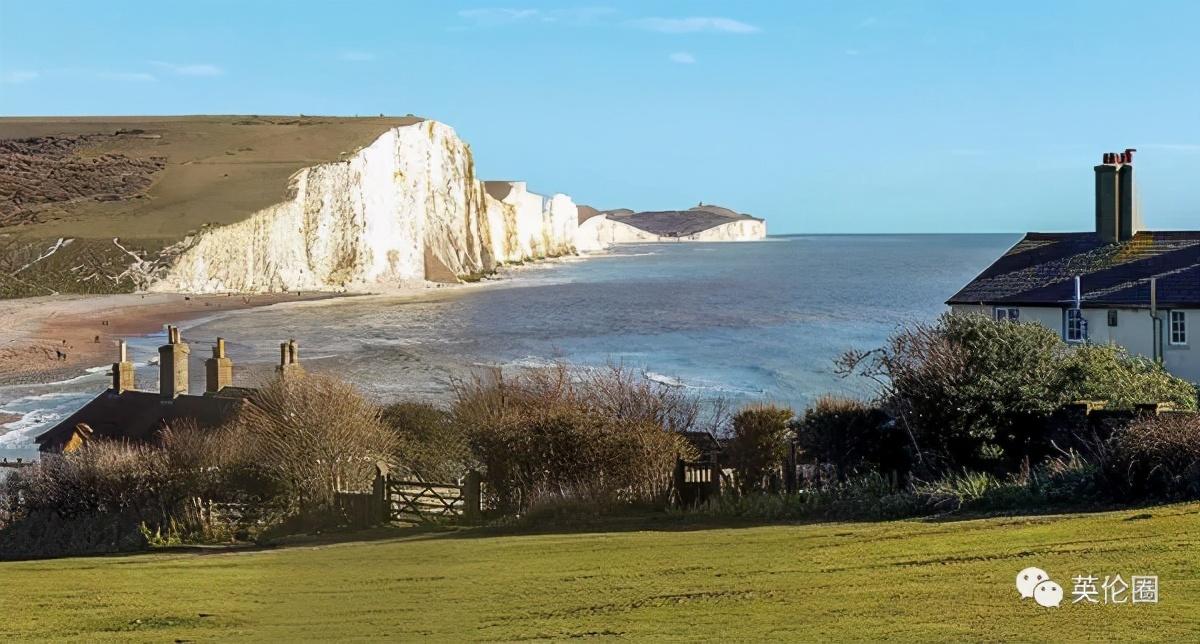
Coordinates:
x,y
473,497
379,498
715,482
789,474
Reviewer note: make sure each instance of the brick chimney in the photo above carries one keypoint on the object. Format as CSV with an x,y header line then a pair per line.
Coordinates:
x,y
1118,213
289,360
173,365
122,371
218,370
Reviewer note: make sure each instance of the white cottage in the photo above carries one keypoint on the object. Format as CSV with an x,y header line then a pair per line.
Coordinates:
x,y
1136,288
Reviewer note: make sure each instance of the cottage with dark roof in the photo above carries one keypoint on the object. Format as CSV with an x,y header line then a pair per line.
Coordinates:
x,y
123,413
1136,288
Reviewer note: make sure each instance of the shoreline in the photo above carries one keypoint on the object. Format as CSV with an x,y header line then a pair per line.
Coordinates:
x,y
85,328
48,338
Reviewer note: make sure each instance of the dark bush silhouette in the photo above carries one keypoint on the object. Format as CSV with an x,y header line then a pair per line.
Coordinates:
x,y
758,447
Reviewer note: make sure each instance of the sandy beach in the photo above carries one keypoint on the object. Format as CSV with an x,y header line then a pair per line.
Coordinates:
x,y
48,338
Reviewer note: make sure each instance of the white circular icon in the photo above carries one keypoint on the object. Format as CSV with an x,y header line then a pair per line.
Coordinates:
x,y
1028,579
1048,594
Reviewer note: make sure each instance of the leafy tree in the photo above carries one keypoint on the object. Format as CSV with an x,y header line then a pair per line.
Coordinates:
x,y
975,392
759,446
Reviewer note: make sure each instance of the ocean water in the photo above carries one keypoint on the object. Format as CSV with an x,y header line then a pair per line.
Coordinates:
x,y
741,321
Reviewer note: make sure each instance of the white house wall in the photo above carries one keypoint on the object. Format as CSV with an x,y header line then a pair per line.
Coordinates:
x,y
1133,331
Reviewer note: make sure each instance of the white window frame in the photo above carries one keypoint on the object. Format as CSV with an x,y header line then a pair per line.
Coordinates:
x,y
1078,332
1177,331
1006,314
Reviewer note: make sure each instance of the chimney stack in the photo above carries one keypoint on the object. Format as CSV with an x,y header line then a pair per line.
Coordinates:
x,y
173,365
1118,213
122,371
289,359
218,370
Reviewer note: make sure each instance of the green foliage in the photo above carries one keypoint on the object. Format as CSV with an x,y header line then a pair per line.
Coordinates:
x,y
976,392
851,436
759,446
1108,372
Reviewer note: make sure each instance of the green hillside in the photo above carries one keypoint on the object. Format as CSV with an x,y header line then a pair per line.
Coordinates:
x,y
657,579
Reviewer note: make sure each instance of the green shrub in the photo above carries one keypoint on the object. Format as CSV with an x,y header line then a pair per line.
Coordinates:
x,y
851,436
1158,456
976,392
759,446
1107,372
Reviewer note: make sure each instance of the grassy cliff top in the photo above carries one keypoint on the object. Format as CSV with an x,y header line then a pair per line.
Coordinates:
x,y
141,177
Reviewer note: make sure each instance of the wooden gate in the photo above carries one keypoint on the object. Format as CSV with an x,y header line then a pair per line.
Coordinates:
x,y
417,501
696,482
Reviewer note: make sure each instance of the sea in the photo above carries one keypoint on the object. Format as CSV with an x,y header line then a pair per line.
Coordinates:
x,y
739,322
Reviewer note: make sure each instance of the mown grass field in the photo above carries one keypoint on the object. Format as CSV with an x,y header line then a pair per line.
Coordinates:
x,y
894,580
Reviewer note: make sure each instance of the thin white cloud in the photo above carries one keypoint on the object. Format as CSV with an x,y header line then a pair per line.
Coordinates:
x,y
355,56
500,15
695,24
193,69
19,76
682,57
491,17
127,77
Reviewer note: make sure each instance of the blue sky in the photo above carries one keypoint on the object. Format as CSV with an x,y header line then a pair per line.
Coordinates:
x,y
821,116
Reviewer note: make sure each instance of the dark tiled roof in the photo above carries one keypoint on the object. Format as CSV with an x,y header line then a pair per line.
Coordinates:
x,y
708,446
139,415
1041,270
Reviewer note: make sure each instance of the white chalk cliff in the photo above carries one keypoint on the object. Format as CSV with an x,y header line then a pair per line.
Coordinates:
x,y
405,209
598,232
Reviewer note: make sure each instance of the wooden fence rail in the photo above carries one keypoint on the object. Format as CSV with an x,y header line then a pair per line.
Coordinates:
x,y
413,501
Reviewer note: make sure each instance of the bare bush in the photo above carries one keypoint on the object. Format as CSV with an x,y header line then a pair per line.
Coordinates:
x,y
430,446
598,435
1158,456
313,436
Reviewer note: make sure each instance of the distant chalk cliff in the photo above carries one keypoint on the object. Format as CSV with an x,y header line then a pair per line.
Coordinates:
x,y
405,209
207,212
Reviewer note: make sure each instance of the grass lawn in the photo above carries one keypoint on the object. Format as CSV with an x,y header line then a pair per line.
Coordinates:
x,y
903,580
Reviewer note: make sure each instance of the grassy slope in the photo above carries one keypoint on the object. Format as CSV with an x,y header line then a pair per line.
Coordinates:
x,y
906,580
220,169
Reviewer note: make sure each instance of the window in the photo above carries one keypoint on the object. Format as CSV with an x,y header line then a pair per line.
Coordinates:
x,y
1112,318
1008,314
1076,326
1178,327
